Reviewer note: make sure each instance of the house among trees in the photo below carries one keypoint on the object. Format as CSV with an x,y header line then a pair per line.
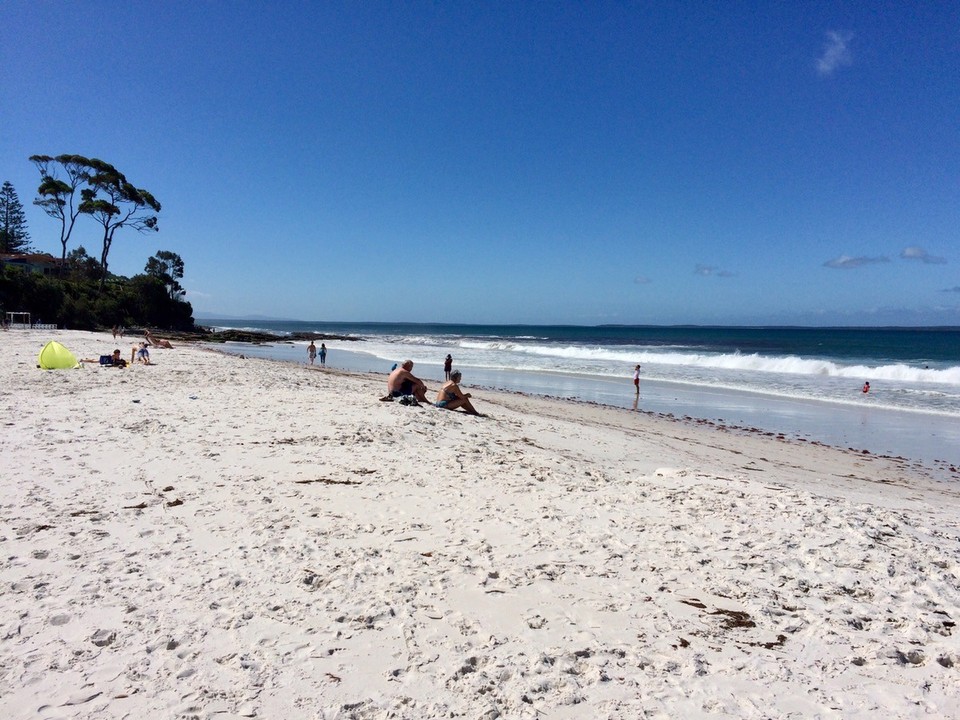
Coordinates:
x,y
43,263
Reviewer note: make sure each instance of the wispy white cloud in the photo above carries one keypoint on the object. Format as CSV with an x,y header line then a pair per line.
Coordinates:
x,y
712,271
916,253
845,262
642,280
836,53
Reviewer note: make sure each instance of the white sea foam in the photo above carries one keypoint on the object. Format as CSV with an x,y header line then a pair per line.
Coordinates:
x,y
934,390
752,362
896,385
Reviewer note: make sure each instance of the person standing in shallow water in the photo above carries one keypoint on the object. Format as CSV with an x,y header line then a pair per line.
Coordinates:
x,y
323,354
312,352
447,364
636,379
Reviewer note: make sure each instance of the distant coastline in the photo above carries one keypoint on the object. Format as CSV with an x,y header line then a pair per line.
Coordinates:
x,y
204,319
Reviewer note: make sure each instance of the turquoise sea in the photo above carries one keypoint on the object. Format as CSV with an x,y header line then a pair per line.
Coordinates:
x,y
804,382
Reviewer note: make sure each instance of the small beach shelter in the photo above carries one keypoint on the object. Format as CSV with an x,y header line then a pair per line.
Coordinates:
x,y
55,356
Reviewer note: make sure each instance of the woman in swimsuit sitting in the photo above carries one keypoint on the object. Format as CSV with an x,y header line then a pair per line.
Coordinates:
x,y
452,397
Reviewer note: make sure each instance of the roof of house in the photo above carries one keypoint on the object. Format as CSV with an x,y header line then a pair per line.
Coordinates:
x,y
30,258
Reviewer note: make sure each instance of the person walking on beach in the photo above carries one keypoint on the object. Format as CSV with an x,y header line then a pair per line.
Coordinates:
x,y
636,379
447,364
311,352
323,354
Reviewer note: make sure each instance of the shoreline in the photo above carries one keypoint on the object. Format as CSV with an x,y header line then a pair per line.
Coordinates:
x,y
882,431
220,537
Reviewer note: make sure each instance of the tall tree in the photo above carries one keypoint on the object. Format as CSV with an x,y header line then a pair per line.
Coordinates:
x,y
14,237
167,267
115,203
56,194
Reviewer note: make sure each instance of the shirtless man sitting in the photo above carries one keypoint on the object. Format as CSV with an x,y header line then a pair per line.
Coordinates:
x,y
403,382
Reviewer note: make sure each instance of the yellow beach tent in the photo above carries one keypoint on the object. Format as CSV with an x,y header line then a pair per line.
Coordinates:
x,y
55,356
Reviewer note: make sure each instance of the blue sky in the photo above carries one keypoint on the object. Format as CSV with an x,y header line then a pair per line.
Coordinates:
x,y
585,163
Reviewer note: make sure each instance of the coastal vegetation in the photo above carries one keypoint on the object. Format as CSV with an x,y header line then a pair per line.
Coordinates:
x,y
78,290
105,195
77,299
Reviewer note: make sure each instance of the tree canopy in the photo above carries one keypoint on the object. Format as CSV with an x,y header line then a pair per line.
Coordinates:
x,y
167,267
75,185
76,300
115,203
60,178
81,266
105,195
14,237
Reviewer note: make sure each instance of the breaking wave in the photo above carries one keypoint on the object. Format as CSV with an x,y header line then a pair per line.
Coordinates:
x,y
752,362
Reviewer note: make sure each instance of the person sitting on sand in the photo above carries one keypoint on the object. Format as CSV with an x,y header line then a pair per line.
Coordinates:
x,y
451,397
403,382
112,360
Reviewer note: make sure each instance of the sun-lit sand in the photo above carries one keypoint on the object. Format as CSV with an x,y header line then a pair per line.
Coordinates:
x,y
214,537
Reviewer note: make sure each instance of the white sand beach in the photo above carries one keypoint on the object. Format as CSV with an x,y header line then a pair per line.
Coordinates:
x,y
216,537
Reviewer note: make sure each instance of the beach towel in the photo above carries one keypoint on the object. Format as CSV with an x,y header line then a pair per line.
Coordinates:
x,y
55,356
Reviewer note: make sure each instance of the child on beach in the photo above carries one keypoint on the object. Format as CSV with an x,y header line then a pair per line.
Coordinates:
x,y
140,353
112,360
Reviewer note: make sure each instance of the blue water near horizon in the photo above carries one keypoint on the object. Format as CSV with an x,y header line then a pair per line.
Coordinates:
x,y
800,381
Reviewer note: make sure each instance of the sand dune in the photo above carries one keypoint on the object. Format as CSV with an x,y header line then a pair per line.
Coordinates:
x,y
214,537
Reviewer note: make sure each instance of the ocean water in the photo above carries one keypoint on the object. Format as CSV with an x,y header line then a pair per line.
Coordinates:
x,y
801,381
